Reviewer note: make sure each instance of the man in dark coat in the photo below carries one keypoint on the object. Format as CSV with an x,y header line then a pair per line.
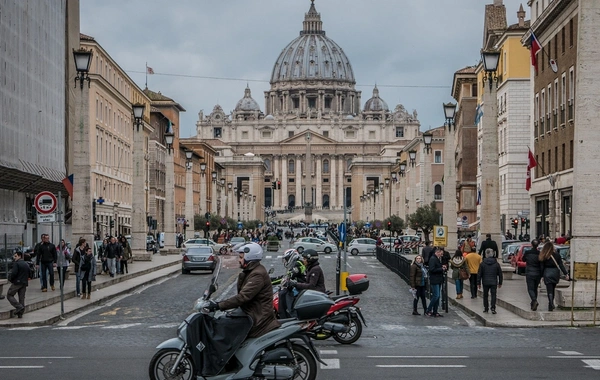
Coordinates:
x,y
19,278
490,275
255,292
315,280
488,243
427,252
436,278
533,272
45,259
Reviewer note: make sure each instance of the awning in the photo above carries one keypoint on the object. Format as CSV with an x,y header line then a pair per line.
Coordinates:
x,y
26,177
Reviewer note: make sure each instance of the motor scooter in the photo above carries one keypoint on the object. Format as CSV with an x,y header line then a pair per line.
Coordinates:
x,y
215,347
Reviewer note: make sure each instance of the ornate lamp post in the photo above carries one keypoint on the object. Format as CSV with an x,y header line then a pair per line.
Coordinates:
x,y
169,224
427,180
189,189
412,155
138,200
449,196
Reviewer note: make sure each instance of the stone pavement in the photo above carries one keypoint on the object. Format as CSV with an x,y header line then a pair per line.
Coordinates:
x,y
45,308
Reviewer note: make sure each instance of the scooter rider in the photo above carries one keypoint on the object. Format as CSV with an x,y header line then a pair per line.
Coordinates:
x,y
295,270
255,292
315,279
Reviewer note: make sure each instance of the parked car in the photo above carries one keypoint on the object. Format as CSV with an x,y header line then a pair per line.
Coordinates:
x,y
516,260
198,258
509,250
313,243
197,242
565,253
362,245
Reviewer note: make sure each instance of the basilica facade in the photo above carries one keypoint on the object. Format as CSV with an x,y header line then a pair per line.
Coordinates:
x,y
315,143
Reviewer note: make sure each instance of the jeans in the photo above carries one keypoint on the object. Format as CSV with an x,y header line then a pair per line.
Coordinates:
x,y
459,286
533,282
77,283
47,268
104,266
85,284
62,273
486,291
111,266
434,302
118,264
420,296
473,284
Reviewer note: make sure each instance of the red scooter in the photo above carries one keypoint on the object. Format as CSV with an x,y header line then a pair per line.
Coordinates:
x,y
343,320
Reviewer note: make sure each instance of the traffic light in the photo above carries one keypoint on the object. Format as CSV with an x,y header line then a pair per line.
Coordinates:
x,y
112,223
527,223
522,222
94,210
278,185
274,185
389,226
515,223
207,226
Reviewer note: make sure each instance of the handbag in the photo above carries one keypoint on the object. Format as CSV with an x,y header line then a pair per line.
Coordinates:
x,y
562,276
463,274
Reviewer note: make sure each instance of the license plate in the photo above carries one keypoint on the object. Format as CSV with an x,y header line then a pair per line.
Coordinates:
x,y
198,258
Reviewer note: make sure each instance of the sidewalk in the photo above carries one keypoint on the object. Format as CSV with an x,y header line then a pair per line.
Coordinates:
x,y
45,308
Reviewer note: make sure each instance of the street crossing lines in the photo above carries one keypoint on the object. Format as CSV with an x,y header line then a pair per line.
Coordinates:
x,y
590,361
330,363
594,364
416,357
124,326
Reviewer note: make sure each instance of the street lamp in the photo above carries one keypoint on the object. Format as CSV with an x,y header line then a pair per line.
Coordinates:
x,y
169,137
427,139
138,114
202,168
394,177
413,156
229,186
83,60
449,184
402,169
449,112
490,65
214,176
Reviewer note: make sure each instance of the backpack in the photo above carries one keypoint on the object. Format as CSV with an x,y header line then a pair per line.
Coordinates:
x,y
467,247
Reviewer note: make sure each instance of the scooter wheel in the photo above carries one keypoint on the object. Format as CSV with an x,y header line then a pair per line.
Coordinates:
x,y
306,367
162,363
353,334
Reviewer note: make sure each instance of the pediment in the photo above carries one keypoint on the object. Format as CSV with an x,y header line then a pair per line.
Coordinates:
x,y
301,139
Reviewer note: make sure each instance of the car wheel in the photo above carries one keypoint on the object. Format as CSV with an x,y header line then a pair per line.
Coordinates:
x,y
327,250
300,249
354,252
223,250
185,271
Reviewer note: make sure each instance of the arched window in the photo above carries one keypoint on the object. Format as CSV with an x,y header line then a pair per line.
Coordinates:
x,y
437,192
325,166
291,201
268,164
326,201
291,166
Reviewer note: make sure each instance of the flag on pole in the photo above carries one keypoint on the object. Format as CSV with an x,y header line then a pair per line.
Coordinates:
x,y
535,48
478,113
68,184
478,197
531,163
149,70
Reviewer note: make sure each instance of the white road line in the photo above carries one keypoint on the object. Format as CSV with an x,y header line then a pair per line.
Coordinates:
x,y
595,364
124,326
420,366
392,327
21,366
419,357
465,317
331,364
438,327
69,327
328,352
34,357
573,357
164,326
25,328
570,353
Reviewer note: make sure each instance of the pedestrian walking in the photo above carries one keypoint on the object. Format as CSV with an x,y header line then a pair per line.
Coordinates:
x,y
473,260
533,272
427,252
102,256
78,253
87,272
436,278
490,275
418,281
468,246
127,255
488,243
112,250
63,257
551,265
46,260
19,279
458,264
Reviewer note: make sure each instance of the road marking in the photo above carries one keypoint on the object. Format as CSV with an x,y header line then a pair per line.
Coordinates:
x,y
21,366
573,357
25,328
331,364
124,326
419,357
465,317
420,366
164,326
393,327
595,364
35,357
328,352
570,353
438,327
69,328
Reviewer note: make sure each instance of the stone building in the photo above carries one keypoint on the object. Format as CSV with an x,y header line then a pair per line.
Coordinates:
x,y
313,139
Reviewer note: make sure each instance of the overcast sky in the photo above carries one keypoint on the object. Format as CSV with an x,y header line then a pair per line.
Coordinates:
x,y
205,52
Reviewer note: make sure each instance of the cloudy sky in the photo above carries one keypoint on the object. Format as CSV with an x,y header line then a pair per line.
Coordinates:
x,y
205,52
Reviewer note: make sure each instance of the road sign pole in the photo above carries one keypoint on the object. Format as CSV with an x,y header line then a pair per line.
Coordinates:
x,y
59,270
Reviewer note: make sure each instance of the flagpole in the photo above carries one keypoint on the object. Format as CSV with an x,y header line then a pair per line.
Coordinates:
x,y
146,85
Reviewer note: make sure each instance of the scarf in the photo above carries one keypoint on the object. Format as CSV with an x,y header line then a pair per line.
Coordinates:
x,y
425,274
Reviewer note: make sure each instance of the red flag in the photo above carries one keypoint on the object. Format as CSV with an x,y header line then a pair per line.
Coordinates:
x,y
532,163
68,184
535,47
149,70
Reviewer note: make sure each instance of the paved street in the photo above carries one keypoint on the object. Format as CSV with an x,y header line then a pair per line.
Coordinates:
x,y
117,339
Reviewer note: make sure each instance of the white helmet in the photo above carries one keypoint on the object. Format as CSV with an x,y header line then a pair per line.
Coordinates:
x,y
290,257
251,251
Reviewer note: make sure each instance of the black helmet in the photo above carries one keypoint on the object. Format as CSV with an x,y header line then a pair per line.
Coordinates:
x,y
310,255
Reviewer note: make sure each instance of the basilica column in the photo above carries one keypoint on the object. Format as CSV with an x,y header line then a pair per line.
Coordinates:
x,y
284,181
299,198
319,194
341,167
332,183
276,177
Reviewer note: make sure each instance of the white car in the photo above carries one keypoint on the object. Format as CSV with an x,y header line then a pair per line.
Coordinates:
x,y
362,245
313,243
198,242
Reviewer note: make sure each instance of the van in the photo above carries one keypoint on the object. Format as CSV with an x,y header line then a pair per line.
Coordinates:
x,y
161,239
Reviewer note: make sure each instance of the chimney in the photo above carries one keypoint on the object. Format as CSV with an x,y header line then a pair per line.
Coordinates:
x,y
521,16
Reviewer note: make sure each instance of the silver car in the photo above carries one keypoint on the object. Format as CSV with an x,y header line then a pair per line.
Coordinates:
x,y
313,243
199,242
362,245
198,258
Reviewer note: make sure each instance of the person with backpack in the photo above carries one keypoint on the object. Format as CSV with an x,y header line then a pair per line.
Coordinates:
x,y
468,246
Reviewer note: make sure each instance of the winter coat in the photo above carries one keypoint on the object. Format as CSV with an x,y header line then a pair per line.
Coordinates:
x,y
473,261
126,252
76,258
416,276
92,272
315,279
490,273
255,298
45,253
488,243
113,250
436,272
550,271
62,256
533,266
456,263
19,274
427,252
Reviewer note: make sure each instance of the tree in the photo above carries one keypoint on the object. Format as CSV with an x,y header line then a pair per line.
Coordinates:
x,y
425,217
397,223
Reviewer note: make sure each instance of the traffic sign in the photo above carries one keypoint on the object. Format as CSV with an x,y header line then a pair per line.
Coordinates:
x,y
240,225
48,218
342,231
45,202
440,236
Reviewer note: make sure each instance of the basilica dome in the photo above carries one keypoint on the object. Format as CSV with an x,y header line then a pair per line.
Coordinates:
x,y
376,104
312,56
247,103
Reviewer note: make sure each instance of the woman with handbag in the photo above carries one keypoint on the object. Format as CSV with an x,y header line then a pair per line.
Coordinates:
x,y
418,281
460,272
552,266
